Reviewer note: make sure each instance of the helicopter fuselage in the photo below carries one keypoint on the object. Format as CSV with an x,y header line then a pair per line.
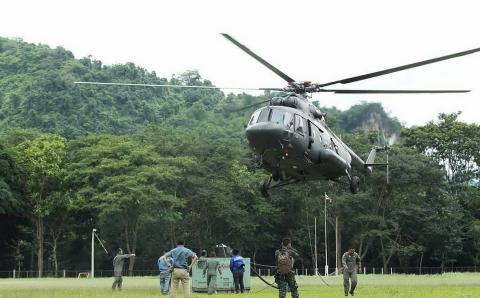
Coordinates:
x,y
293,141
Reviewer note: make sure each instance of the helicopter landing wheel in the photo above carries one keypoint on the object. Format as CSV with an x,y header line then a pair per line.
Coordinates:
x,y
355,184
264,189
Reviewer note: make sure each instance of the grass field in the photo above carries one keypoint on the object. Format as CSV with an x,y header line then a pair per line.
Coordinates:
x,y
447,285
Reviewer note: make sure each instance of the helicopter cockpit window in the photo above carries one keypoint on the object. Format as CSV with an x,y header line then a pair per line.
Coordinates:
x,y
299,124
254,118
263,117
277,116
281,117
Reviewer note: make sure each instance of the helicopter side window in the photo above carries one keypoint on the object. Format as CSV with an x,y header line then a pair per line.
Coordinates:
x,y
317,132
299,127
254,118
288,120
263,117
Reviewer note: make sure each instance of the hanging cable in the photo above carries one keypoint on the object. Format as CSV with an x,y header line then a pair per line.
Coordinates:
x,y
101,243
262,279
324,281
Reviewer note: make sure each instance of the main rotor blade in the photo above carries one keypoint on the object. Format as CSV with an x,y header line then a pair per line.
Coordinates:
x,y
171,86
258,58
352,91
399,68
251,106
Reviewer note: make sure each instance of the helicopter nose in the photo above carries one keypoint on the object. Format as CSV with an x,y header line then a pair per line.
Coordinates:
x,y
266,135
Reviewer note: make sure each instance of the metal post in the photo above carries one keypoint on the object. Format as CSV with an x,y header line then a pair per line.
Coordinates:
x,y
364,270
64,273
316,252
326,245
93,254
14,273
336,245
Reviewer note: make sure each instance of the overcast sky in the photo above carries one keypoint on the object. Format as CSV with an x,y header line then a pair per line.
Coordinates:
x,y
319,41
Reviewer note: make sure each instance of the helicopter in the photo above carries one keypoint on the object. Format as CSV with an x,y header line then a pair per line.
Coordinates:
x,y
290,136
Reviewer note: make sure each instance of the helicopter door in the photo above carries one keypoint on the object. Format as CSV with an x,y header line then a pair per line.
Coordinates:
x,y
311,134
314,142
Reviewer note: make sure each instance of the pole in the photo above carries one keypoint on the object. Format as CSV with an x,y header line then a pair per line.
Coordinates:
x,y
93,253
336,245
326,245
316,255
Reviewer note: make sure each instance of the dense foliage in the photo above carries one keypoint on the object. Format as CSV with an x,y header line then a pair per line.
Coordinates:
x,y
147,166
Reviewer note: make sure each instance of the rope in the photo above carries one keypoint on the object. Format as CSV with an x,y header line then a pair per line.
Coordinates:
x,y
262,279
256,264
101,243
324,281
273,286
255,292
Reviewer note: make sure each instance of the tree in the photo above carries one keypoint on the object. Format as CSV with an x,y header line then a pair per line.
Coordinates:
x,y
452,143
127,182
42,159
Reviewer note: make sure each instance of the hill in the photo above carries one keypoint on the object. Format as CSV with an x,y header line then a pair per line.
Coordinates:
x,y
37,91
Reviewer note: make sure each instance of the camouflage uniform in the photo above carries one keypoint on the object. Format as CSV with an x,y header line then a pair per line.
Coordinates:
x,y
284,280
350,264
211,268
118,262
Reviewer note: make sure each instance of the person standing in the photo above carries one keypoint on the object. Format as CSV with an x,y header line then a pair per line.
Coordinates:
x,y
237,267
284,274
165,274
211,268
350,263
180,268
118,262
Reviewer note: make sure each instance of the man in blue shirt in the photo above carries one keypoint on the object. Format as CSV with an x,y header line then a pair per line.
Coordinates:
x,y
180,268
165,274
237,266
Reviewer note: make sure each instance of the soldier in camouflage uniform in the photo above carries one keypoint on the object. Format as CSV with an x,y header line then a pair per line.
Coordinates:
x,y
118,262
211,268
284,274
350,263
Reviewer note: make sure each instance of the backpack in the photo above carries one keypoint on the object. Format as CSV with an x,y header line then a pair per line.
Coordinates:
x,y
284,262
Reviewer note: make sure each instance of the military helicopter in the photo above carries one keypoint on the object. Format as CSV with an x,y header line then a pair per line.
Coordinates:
x,y
290,136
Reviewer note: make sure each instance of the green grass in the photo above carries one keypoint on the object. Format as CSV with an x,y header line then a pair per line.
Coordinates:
x,y
371,286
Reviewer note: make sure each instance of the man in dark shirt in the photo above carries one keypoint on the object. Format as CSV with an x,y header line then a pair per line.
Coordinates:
x,y
118,262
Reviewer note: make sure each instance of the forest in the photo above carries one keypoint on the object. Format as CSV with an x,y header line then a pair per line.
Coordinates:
x,y
147,166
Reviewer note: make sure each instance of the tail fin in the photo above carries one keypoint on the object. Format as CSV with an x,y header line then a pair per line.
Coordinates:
x,y
370,163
